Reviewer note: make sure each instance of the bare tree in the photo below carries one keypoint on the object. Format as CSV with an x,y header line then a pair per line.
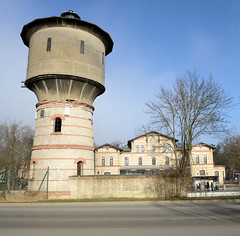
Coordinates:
x,y
192,108
228,154
15,150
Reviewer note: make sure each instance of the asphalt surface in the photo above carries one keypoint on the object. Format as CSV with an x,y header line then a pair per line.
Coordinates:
x,y
121,218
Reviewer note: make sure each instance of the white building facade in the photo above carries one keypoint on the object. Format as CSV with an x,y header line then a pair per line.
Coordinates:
x,y
149,153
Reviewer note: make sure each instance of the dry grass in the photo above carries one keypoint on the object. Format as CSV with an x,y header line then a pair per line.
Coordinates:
x,y
20,196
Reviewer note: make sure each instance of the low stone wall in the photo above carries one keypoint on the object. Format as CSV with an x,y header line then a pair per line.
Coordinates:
x,y
110,186
106,187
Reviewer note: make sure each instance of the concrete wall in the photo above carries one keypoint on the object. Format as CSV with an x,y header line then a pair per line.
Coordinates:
x,y
64,56
110,187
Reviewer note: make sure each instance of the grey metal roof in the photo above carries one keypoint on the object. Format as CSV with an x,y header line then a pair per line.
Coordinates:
x,y
108,145
205,144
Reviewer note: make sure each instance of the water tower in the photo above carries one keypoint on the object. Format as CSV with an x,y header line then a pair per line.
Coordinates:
x,y
66,65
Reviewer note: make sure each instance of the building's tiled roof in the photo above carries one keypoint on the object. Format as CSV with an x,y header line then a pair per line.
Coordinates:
x,y
108,145
205,144
127,148
152,133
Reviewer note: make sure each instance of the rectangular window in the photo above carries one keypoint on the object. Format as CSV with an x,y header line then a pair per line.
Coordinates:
x,y
103,161
111,161
41,113
153,148
197,159
49,44
67,111
140,161
126,161
103,58
205,159
82,47
167,161
90,115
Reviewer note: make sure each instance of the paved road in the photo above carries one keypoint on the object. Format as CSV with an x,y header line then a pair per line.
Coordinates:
x,y
118,219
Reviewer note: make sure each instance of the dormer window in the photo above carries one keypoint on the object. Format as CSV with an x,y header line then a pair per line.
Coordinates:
x,y
166,148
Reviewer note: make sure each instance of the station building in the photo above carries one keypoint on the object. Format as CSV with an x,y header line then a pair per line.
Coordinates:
x,y
152,152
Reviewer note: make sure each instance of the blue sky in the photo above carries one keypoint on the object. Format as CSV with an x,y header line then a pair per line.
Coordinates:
x,y
154,41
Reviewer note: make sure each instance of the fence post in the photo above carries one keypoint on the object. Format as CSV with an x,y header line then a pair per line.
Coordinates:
x,y
47,181
46,175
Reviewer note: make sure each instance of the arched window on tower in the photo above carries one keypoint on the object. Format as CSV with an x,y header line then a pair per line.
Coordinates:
x,y
79,168
58,124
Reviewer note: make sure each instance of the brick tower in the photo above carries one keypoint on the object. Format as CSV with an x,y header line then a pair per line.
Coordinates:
x,y
66,65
